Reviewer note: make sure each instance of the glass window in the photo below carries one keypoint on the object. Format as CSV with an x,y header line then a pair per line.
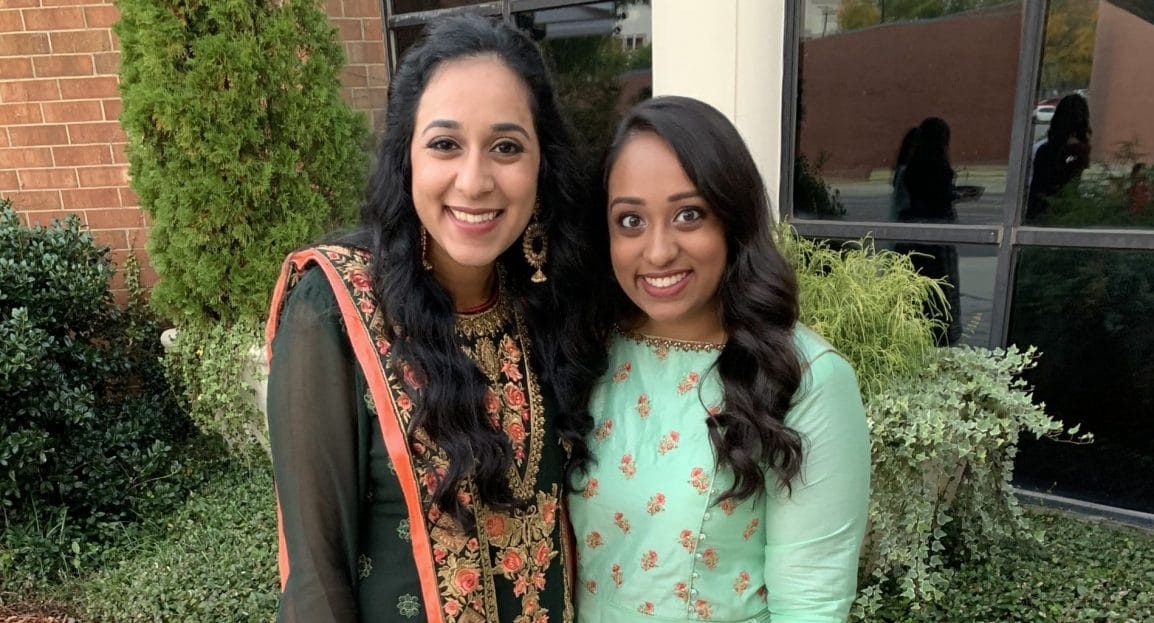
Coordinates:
x,y
1093,131
601,57
1090,314
413,6
905,110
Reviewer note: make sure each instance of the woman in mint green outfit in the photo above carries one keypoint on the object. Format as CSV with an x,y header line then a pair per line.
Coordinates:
x,y
732,474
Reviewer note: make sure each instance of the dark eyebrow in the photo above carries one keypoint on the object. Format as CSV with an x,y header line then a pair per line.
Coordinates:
x,y
683,195
633,201
442,123
510,127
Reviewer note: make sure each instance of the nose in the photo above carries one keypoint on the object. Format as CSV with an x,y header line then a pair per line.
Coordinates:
x,y
474,178
660,246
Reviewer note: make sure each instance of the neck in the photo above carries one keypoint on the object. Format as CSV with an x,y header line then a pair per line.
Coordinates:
x,y
707,329
470,287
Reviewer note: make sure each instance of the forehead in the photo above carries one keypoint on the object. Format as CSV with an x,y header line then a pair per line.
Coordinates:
x,y
481,89
646,165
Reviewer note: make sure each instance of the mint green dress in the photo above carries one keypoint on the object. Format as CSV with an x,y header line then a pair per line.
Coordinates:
x,y
652,544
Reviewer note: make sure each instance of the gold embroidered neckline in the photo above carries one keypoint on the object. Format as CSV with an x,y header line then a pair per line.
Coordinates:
x,y
664,343
489,321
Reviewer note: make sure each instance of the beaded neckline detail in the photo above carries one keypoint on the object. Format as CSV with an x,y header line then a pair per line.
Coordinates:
x,y
666,344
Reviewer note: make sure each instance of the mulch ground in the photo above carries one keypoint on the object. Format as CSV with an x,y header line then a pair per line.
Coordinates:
x,y
35,613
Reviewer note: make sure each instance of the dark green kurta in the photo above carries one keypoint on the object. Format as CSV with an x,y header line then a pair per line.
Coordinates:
x,y
344,521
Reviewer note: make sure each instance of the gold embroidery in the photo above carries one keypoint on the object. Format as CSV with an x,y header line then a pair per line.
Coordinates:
x,y
663,345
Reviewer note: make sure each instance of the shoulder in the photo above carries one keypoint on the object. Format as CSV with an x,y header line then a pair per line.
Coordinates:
x,y
823,367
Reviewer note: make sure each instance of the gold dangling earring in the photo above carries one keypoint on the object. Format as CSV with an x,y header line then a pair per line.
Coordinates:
x,y
535,246
425,249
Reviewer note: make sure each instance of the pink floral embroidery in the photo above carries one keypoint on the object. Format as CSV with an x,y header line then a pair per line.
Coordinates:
x,y
621,521
622,372
602,432
591,586
742,582
668,442
615,573
704,610
750,529
648,560
628,467
713,411
728,506
656,504
688,383
643,406
646,608
709,558
594,540
662,352
510,370
688,540
360,280
681,591
590,489
763,593
510,348
383,347
699,479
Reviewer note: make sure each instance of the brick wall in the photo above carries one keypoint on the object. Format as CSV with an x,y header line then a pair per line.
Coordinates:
x,y
62,149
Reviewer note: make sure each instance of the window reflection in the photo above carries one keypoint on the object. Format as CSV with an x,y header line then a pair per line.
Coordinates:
x,y
1089,313
1093,130
871,71
412,6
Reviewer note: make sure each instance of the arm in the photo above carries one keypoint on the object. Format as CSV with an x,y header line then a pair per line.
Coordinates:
x,y
815,534
312,428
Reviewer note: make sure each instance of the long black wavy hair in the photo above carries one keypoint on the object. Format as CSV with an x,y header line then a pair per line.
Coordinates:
x,y
759,366
567,353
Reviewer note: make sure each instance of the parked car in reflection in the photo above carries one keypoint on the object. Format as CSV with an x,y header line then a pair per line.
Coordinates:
x,y
1044,113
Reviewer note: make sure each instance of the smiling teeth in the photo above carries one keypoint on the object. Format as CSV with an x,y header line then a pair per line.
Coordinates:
x,y
665,282
474,219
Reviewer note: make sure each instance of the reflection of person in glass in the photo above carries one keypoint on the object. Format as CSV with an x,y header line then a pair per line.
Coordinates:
x,y
422,393
1062,156
732,471
929,183
900,197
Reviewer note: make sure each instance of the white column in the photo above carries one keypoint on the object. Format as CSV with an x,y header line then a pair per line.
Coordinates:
x,y
728,53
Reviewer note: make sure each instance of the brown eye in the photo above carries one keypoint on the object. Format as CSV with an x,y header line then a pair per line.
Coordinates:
x,y
508,148
442,144
630,221
689,215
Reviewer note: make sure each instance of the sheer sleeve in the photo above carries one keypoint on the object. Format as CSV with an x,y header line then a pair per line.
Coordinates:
x,y
313,430
815,534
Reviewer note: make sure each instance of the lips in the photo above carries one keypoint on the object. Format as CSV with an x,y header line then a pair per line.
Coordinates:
x,y
666,284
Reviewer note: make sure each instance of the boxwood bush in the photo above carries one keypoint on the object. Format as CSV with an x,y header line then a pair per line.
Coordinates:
x,y
88,421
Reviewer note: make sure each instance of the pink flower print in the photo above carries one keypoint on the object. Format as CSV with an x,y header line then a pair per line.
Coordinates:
x,y
742,582
688,540
366,306
648,560
511,371
383,347
709,558
622,372
751,529
590,489
681,591
509,347
668,442
594,540
656,504
704,610
404,403
615,573
591,586
622,522
360,280
713,411
643,406
688,383
602,432
646,608
728,506
662,352
763,593
628,467
699,479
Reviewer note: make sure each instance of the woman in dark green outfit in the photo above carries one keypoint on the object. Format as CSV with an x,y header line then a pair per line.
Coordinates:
x,y
425,392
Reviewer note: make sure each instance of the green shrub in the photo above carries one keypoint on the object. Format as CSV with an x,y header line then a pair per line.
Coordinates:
x,y
240,146
944,423
212,560
88,419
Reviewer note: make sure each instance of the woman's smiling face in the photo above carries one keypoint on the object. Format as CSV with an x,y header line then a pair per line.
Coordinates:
x,y
666,243
475,159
